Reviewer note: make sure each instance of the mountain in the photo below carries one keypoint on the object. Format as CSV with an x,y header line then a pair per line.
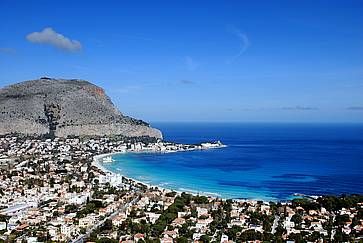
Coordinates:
x,y
64,107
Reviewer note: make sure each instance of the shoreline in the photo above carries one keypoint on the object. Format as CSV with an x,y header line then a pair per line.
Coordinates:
x,y
176,147
97,162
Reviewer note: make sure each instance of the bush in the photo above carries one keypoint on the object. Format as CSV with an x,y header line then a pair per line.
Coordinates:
x,y
200,199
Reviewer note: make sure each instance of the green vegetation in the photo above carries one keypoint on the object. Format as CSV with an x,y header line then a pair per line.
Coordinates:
x,y
200,199
70,208
306,204
333,203
106,240
297,219
89,208
170,214
170,194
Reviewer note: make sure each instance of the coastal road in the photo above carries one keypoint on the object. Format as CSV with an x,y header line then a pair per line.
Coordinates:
x,y
274,226
81,238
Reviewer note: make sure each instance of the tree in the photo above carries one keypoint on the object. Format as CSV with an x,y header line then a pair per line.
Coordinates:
x,y
205,239
305,203
314,237
296,237
232,232
107,225
194,213
70,208
170,194
182,239
297,219
250,235
106,240
51,182
341,219
185,232
82,230
200,199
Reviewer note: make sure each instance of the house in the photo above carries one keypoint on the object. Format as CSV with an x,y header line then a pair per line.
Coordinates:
x,y
178,222
316,225
202,211
2,225
224,239
265,209
117,221
182,214
196,236
138,237
87,221
289,224
236,222
52,230
346,230
84,168
68,230
102,211
171,233
79,199
166,239
32,239
152,217
234,213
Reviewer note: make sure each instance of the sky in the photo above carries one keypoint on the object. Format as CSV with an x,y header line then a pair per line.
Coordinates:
x,y
215,61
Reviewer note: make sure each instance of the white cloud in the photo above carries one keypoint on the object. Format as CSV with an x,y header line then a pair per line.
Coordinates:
x,y
244,42
191,63
50,37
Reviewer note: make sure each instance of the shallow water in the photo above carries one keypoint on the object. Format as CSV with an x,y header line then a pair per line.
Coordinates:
x,y
262,161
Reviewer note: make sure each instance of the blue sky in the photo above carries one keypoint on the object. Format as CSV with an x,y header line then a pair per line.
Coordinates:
x,y
285,61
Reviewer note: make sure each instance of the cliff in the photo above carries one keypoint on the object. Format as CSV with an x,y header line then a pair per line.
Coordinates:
x,y
65,107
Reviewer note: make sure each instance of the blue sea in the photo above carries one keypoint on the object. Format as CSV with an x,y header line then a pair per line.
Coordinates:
x,y
262,161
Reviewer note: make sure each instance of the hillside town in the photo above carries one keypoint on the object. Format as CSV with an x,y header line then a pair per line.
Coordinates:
x,y
56,190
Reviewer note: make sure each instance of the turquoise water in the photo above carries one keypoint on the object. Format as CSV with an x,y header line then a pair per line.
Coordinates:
x,y
262,161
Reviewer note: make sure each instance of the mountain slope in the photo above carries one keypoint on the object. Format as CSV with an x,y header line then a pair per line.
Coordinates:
x,y
65,107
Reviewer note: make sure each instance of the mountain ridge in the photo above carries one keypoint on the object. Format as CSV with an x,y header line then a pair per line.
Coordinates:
x,y
64,107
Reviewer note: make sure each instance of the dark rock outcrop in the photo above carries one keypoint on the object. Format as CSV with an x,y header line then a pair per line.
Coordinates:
x,y
63,107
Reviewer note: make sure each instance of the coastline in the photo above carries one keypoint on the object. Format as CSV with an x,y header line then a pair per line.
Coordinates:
x,y
166,147
97,162
92,160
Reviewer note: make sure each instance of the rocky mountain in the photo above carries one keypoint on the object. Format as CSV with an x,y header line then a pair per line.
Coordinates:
x,y
65,107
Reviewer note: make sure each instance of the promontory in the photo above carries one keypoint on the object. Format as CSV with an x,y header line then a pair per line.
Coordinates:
x,y
65,107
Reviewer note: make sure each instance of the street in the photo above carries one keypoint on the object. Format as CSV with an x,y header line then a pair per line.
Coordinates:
x,y
114,214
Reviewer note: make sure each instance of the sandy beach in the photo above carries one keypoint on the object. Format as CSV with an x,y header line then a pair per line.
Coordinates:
x,y
97,161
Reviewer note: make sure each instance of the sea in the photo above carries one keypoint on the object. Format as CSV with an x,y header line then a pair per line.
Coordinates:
x,y
263,161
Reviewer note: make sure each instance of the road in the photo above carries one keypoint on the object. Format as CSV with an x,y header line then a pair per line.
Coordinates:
x,y
274,226
81,238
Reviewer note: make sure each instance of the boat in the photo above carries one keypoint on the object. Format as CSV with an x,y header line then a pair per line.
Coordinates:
x,y
216,144
107,159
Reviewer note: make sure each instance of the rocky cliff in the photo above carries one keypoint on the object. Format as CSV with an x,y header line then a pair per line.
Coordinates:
x,y
65,107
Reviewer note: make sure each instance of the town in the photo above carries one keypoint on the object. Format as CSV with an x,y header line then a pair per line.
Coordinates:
x,y
55,190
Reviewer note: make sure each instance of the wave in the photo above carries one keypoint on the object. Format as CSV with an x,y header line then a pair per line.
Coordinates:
x,y
199,192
